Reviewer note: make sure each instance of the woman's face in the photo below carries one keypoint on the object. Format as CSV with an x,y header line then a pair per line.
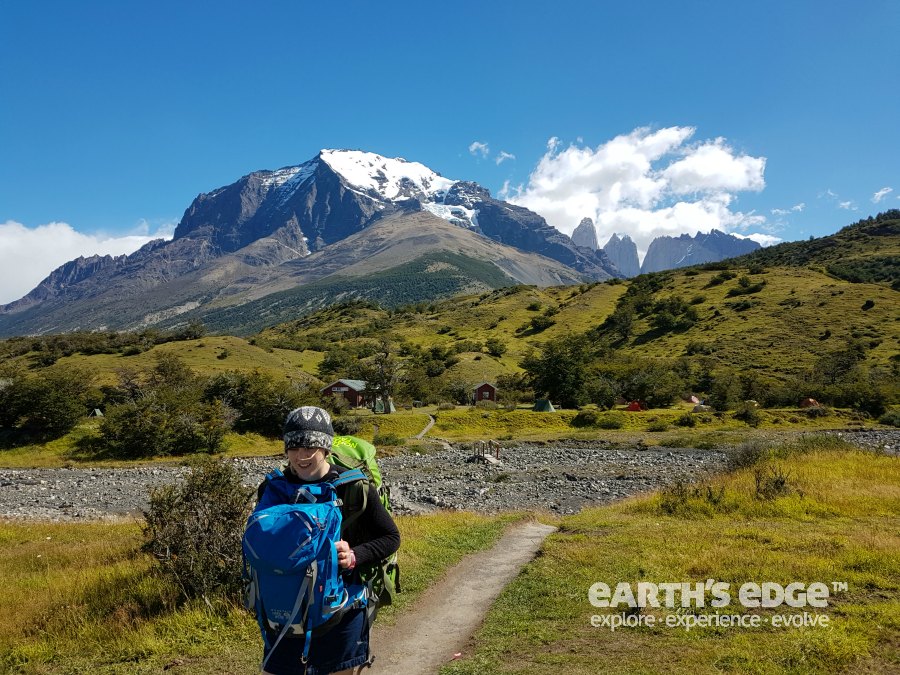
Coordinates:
x,y
308,463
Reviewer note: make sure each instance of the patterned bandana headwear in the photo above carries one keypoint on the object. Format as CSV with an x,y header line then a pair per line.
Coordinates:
x,y
308,427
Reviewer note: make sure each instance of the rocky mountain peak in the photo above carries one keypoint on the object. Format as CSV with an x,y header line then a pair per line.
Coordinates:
x,y
685,250
623,252
586,234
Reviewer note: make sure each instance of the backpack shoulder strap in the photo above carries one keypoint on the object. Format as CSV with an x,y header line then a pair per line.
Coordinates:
x,y
360,483
349,477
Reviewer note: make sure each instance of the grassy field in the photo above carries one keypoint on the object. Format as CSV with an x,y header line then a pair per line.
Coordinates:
x,y
82,598
837,518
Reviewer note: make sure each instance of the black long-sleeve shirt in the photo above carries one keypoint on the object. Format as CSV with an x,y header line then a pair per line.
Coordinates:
x,y
374,534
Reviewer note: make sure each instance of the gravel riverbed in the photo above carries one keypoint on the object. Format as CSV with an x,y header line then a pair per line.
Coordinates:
x,y
562,477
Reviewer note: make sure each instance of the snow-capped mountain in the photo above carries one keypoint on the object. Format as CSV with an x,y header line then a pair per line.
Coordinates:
x,y
243,234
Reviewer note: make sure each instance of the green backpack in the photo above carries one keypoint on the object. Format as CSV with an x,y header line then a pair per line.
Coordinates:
x,y
350,452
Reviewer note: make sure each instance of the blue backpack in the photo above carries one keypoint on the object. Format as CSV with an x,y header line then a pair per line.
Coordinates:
x,y
295,585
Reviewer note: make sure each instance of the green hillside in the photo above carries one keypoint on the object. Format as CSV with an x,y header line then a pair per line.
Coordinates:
x,y
866,251
795,317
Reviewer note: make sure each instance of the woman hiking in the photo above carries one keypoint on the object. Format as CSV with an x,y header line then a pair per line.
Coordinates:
x,y
372,537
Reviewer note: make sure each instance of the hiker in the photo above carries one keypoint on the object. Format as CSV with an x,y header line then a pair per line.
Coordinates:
x,y
373,536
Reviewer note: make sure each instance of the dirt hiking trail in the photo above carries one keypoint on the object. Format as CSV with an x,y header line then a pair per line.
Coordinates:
x,y
441,622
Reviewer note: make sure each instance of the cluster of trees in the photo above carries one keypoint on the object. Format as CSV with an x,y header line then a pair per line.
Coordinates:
x,y
166,410
47,405
407,372
577,369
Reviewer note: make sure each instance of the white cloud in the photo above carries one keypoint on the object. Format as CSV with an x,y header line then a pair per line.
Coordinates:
x,y
796,208
502,156
881,194
29,254
644,184
478,148
847,206
714,167
760,238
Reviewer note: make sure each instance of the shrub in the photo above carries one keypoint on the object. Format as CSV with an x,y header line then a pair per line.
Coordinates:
x,y
816,411
890,418
721,278
686,420
163,423
534,306
681,499
747,454
486,405
495,347
610,422
772,482
446,406
346,425
748,412
193,529
658,425
387,439
541,323
586,418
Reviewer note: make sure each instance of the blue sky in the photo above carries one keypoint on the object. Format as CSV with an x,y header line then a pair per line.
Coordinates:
x,y
116,115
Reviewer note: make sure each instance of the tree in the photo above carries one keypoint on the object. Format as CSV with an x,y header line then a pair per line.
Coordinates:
x,y
384,371
261,400
652,381
495,347
560,369
52,402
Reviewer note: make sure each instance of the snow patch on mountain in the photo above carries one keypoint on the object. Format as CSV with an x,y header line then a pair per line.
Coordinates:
x,y
458,215
385,178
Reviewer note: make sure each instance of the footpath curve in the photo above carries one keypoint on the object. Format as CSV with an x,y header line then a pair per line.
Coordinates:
x,y
442,620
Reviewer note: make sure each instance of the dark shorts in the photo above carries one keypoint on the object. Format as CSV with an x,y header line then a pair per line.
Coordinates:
x,y
344,646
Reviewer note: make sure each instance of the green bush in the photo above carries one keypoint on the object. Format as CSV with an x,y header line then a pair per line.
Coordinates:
x,y
816,412
747,454
193,529
586,418
686,420
610,422
658,425
346,425
890,418
749,413
387,439
148,427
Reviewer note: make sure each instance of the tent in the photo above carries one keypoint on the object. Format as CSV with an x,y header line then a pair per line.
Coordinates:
x,y
382,407
635,406
543,405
